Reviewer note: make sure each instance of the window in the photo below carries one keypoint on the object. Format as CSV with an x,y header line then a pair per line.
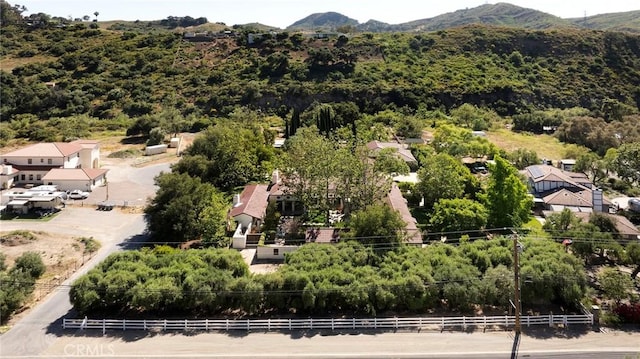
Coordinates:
x,y
30,177
49,161
42,160
22,177
276,251
38,177
29,161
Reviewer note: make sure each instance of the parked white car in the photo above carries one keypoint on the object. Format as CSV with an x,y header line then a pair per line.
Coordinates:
x,y
78,194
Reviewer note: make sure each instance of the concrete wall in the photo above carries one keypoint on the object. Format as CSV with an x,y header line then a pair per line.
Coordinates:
x,y
274,252
83,185
244,220
90,158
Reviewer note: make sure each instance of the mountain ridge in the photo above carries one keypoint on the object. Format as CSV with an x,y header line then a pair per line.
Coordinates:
x,y
499,14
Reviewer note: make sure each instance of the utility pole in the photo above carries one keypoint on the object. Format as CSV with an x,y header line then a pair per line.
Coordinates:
x,y
516,281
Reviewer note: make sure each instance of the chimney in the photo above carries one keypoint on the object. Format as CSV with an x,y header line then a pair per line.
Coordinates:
x,y
236,200
275,177
597,200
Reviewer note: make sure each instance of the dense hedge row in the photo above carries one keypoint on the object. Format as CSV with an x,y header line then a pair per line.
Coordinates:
x,y
331,279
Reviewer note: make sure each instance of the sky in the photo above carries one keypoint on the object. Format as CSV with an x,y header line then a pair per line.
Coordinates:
x,y
282,13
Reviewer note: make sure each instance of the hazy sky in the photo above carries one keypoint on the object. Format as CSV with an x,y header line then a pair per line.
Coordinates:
x,y
282,13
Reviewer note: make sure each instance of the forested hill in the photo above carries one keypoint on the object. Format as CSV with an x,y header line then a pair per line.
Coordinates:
x,y
66,71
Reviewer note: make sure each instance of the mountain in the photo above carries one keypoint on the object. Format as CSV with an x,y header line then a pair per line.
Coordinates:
x,y
326,20
500,14
619,21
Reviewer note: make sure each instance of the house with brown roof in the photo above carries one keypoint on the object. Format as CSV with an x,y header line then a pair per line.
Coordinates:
x,y
555,190
625,229
401,150
398,203
248,211
34,162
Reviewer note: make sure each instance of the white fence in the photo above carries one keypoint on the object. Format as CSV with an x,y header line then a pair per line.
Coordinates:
x,y
425,323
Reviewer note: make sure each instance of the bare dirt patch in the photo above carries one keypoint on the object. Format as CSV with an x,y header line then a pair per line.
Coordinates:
x,y
61,254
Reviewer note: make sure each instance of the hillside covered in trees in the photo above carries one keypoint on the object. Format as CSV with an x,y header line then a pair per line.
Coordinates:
x,y
61,71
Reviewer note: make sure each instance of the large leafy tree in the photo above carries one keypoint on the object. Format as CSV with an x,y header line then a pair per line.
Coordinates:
x,y
233,154
310,168
378,224
615,284
506,196
185,209
316,170
627,162
592,165
522,158
444,177
459,214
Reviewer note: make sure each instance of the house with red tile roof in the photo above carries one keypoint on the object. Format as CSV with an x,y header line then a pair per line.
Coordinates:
x,y
34,162
251,205
399,204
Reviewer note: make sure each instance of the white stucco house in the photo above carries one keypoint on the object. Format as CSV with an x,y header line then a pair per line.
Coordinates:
x,y
56,163
8,176
249,209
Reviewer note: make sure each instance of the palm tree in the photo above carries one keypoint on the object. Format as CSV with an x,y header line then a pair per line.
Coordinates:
x,y
96,14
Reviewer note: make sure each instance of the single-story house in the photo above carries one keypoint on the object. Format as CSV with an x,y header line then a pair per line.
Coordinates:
x,y
67,179
626,229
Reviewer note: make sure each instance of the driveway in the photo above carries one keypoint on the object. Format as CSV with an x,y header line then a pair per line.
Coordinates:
x,y
126,185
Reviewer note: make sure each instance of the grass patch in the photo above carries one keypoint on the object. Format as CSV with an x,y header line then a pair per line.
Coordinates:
x,y
90,244
128,153
19,233
27,217
535,229
9,63
545,146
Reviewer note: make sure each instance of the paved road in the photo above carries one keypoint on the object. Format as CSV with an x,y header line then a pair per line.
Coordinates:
x,y
316,345
41,327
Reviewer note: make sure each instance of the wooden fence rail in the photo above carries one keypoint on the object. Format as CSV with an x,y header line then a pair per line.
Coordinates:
x,y
440,323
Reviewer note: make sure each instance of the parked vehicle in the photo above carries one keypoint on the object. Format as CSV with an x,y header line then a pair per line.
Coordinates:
x,y
78,194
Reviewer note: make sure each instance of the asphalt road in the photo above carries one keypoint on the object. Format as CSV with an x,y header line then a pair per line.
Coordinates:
x,y
617,345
